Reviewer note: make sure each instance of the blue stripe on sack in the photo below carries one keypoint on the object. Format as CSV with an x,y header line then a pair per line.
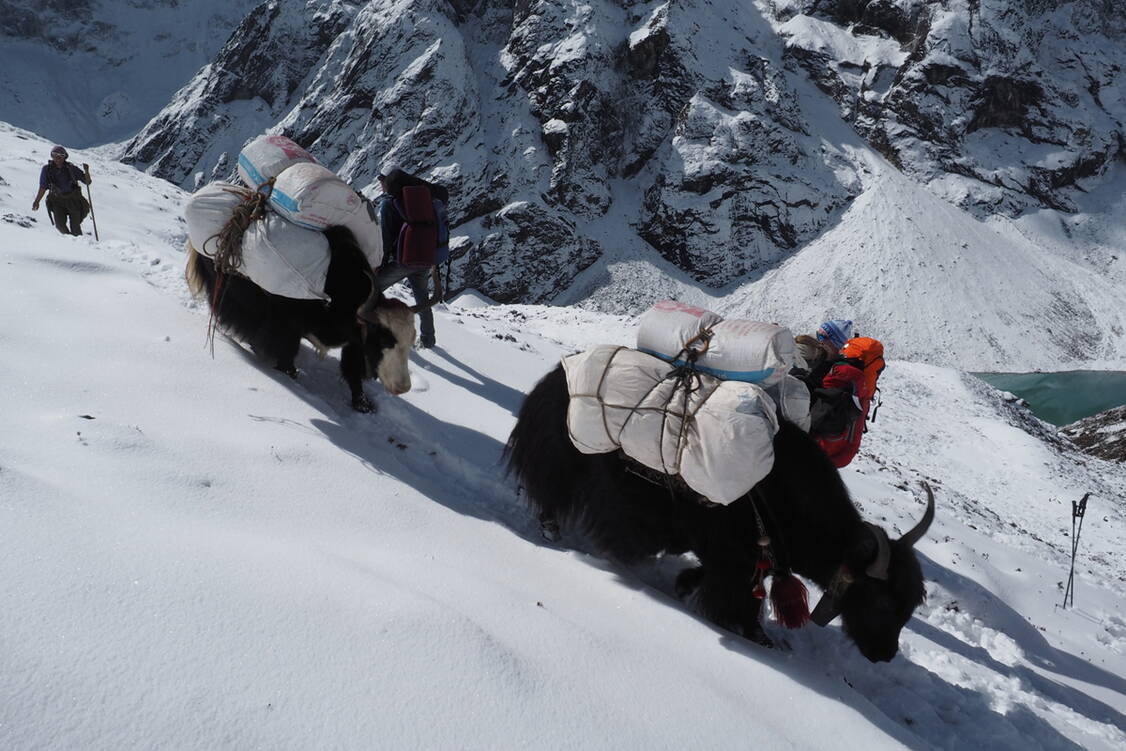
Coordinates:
x,y
746,376
278,198
255,175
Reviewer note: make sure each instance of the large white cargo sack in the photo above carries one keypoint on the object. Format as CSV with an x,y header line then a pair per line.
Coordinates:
x,y
734,350
718,436
792,397
208,210
669,325
285,259
313,197
269,156
277,255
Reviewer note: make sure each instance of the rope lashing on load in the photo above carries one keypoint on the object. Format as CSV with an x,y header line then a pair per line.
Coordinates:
x,y
689,382
228,254
228,246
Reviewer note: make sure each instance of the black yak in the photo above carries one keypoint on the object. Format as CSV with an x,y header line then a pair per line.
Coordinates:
x,y
376,332
874,583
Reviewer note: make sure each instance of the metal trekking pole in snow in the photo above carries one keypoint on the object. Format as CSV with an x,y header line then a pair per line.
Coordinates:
x,y
90,200
1078,510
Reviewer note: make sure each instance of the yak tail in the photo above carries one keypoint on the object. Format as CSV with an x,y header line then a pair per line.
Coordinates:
x,y
192,272
539,452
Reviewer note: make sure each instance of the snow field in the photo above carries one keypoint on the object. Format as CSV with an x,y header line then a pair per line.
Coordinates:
x,y
200,552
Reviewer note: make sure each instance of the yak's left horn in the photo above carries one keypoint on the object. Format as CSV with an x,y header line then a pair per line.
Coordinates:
x,y
437,297
916,533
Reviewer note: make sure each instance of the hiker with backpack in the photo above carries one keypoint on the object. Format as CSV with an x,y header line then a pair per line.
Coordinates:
x,y
64,200
412,215
841,375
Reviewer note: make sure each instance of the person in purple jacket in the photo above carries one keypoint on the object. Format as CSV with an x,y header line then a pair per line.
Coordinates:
x,y
65,201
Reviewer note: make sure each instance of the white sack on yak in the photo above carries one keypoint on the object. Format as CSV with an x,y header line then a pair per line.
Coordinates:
x,y
313,197
734,350
718,436
278,256
792,397
309,194
268,156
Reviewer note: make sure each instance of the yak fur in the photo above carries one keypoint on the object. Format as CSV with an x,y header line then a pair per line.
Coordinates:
x,y
804,504
273,326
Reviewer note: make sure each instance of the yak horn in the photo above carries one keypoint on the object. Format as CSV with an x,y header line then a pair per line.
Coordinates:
x,y
916,533
437,298
878,568
367,310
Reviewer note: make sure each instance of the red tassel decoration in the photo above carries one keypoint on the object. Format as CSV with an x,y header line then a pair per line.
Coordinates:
x,y
790,600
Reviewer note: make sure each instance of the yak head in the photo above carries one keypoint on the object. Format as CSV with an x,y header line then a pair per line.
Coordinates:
x,y
387,331
877,588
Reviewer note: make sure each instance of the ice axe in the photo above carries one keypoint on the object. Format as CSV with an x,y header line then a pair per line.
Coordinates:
x,y
90,200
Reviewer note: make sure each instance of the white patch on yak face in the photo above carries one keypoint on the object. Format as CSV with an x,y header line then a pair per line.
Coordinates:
x,y
393,370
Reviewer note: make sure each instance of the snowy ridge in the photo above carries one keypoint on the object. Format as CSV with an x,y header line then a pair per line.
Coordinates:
x,y
204,553
950,288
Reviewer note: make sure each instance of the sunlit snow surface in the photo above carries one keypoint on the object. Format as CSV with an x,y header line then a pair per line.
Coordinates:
x,y
198,552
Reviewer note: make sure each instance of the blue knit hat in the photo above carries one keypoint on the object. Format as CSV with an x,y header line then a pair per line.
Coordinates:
x,y
838,331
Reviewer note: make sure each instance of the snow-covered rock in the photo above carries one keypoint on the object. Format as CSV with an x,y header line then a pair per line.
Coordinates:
x,y
1001,106
1102,435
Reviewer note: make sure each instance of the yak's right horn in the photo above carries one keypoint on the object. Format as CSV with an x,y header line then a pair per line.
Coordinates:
x,y
916,533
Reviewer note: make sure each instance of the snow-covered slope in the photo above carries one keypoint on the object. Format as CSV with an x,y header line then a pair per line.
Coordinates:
x,y
200,552
85,72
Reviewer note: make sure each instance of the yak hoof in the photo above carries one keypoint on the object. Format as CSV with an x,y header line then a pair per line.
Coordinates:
x,y
756,634
362,404
549,528
289,370
688,581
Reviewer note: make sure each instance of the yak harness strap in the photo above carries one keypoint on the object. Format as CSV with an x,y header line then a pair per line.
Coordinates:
x,y
228,240
788,596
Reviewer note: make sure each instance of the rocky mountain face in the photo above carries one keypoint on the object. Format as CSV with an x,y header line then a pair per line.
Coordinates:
x,y
85,72
562,126
531,112
1102,435
1024,98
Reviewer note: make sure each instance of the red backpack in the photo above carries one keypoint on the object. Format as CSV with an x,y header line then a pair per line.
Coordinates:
x,y
856,373
866,354
424,237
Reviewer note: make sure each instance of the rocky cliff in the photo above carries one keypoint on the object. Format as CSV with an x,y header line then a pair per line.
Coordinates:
x,y
718,136
531,112
1102,435
1023,98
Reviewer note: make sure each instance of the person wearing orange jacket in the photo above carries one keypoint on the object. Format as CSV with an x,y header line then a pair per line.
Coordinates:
x,y
840,397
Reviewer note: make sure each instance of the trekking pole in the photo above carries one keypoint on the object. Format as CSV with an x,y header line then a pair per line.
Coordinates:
x,y
1078,511
90,200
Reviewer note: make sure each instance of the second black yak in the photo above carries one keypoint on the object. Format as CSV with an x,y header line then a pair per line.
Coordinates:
x,y
872,582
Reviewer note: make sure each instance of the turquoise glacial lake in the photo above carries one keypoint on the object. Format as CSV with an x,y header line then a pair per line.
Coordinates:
x,y
1062,398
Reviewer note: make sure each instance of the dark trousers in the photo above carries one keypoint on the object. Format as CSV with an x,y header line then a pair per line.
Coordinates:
x,y
391,273
65,207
